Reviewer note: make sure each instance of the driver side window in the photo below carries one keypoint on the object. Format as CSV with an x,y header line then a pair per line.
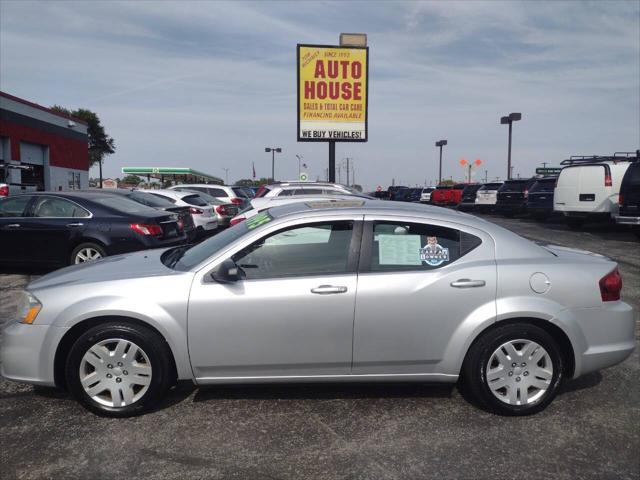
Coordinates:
x,y
303,250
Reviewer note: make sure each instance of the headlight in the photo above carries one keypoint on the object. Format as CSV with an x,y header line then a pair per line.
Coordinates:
x,y
28,308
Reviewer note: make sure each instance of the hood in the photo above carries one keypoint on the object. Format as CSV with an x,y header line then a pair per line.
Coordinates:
x,y
141,264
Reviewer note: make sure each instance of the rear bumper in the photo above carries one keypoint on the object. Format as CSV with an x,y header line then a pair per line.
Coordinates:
x,y
601,337
509,207
626,220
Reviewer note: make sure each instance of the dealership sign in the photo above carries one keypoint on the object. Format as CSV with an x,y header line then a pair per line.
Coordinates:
x,y
332,93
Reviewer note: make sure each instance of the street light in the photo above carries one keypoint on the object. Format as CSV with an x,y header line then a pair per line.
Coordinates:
x,y
508,120
226,175
440,143
273,151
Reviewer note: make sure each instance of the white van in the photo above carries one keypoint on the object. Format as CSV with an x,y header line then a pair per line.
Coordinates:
x,y
588,188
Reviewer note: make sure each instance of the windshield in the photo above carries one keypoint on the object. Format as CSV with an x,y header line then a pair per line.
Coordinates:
x,y
149,200
122,204
195,199
202,251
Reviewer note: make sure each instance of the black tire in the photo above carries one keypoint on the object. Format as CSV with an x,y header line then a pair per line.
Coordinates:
x,y
155,348
479,355
87,245
574,223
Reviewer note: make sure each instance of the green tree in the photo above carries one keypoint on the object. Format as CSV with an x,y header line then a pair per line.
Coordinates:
x,y
132,180
100,143
249,182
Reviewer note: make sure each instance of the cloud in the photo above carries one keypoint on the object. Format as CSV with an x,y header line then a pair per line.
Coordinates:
x,y
210,84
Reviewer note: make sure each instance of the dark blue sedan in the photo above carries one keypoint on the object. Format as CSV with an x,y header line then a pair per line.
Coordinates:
x,y
56,228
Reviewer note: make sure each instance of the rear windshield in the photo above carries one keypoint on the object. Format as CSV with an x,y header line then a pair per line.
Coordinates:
x,y
632,177
444,187
149,200
544,185
262,191
471,188
195,199
513,186
122,204
239,192
491,186
209,199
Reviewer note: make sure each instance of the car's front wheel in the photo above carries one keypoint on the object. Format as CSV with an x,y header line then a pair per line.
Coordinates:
x,y
119,369
515,369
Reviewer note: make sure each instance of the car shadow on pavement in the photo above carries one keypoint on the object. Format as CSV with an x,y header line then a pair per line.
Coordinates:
x,y
589,380
328,391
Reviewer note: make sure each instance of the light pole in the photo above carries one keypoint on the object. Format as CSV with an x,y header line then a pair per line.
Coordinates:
x,y
299,157
226,175
273,151
440,143
508,120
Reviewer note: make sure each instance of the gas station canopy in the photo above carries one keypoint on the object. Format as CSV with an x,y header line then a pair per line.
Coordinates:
x,y
184,175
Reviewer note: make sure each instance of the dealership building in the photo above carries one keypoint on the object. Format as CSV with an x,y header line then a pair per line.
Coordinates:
x,y
40,148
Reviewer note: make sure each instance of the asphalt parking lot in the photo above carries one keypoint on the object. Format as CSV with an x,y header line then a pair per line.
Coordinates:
x,y
592,430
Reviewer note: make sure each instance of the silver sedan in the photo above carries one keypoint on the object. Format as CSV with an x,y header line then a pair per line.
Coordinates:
x,y
354,291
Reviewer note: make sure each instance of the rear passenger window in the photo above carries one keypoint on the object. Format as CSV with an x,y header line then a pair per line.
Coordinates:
x,y
14,207
417,246
52,207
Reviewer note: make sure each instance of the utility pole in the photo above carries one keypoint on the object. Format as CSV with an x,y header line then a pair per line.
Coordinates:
x,y
347,159
485,176
226,175
273,151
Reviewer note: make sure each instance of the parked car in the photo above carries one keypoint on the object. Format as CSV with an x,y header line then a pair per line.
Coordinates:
x,y
413,195
261,204
7,187
487,196
203,214
512,196
455,195
588,187
629,198
425,195
441,196
402,195
47,228
224,211
393,189
226,194
468,199
274,299
303,188
539,202
153,201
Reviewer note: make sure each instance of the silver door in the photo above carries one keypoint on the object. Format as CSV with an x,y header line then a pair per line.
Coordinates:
x,y
289,325
406,316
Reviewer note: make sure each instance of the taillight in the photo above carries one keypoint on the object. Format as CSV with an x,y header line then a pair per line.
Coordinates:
x,y
147,229
180,225
610,286
607,180
620,200
236,220
526,194
4,191
195,211
222,210
236,201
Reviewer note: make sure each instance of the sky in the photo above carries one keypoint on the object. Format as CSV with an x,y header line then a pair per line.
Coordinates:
x,y
210,84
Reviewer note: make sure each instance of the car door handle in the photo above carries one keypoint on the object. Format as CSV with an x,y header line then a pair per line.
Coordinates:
x,y
12,225
466,283
79,224
328,290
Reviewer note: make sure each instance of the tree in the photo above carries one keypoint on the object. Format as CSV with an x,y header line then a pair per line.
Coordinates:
x,y
131,180
100,144
249,182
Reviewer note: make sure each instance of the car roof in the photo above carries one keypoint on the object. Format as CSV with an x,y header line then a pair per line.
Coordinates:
x,y
72,195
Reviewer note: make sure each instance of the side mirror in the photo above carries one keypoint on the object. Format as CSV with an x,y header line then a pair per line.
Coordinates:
x,y
227,272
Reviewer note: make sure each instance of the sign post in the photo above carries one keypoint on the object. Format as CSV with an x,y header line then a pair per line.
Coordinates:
x,y
333,95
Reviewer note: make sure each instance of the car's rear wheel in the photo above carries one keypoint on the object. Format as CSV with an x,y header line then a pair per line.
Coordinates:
x,y
87,252
119,369
515,369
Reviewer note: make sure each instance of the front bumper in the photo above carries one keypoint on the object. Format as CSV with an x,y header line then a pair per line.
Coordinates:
x,y
626,220
27,352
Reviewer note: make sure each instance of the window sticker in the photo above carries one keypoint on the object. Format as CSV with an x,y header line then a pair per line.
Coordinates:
x,y
398,249
433,254
258,220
